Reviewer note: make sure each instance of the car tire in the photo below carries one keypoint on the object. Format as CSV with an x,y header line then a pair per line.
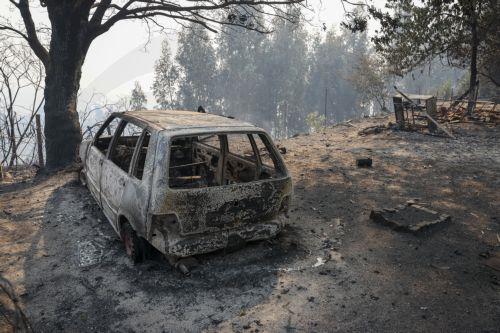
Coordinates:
x,y
82,178
133,244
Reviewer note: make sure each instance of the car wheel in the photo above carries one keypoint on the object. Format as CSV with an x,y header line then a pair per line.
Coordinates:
x,y
133,243
82,178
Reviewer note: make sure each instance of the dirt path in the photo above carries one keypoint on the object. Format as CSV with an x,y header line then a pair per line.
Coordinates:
x,y
72,274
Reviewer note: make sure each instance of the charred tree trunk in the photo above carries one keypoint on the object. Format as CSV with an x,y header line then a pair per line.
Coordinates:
x,y
473,63
68,48
62,128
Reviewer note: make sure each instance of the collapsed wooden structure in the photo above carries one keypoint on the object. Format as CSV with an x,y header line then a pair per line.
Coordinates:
x,y
411,109
455,111
414,112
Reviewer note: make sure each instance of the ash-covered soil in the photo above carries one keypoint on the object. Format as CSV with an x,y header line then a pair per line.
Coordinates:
x,y
332,269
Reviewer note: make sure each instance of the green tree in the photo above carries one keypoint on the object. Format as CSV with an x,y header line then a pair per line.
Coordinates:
x,y
138,98
285,73
444,91
331,62
238,54
165,78
197,69
427,79
315,121
370,79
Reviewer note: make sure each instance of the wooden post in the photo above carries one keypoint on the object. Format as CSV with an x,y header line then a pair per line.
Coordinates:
x,y
39,142
431,109
399,111
326,101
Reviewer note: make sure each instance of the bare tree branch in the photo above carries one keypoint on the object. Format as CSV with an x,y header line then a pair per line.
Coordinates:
x,y
19,70
31,32
146,9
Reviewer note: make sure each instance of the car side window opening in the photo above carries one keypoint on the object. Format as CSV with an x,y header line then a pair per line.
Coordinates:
x,y
206,160
105,134
270,165
124,146
141,155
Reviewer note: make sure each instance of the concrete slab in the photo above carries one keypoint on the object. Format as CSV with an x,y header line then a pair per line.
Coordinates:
x,y
409,218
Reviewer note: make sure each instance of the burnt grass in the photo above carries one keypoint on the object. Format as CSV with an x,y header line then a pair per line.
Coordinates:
x,y
331,269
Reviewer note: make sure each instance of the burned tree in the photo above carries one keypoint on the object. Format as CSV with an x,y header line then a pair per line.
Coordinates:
x,y
75,24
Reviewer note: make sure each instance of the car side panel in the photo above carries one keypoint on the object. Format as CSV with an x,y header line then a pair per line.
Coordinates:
x,y
93,165
134,202
113,182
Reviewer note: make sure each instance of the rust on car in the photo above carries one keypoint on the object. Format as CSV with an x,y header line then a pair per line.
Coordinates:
x,y
186,182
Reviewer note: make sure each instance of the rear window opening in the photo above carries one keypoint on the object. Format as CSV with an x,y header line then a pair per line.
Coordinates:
x,y
222,159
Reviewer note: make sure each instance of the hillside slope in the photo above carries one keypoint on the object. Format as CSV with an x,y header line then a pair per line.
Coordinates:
x,y
332,269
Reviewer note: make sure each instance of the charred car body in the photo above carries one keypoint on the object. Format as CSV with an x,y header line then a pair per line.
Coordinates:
x,y
185,182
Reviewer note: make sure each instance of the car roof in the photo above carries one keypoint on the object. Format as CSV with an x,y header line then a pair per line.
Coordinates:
x,y
176,120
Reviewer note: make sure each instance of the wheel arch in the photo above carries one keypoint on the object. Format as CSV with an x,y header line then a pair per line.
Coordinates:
x,y
123,218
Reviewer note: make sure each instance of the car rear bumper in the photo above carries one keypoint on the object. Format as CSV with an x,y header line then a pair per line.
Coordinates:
x,y
185,246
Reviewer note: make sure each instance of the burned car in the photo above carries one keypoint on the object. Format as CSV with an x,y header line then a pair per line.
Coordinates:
x,y
185,182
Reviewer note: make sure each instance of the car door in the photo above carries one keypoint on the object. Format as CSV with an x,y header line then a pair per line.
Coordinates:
x,y
116,167
97,154
136,196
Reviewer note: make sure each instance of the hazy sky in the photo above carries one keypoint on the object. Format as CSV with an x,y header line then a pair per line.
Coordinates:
x,y
127,52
